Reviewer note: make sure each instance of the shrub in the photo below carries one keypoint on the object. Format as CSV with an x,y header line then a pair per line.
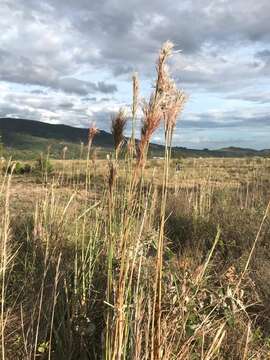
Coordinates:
x,y
43,165
17,168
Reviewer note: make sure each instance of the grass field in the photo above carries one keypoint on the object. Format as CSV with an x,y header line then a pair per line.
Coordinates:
x,y
78,261
136,258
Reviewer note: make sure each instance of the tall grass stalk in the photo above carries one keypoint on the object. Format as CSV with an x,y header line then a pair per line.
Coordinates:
x,y
5,262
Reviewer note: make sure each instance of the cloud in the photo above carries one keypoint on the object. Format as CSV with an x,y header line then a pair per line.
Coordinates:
x,y
80,87
21,70
260,97
228,120
64,60
108,33
56,107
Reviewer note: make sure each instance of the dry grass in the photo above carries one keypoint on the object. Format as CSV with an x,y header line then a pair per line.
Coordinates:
x,y
102,261
119,122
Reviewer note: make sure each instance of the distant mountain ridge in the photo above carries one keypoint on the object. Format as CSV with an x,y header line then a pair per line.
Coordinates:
x,y
27,138
230,151
50,131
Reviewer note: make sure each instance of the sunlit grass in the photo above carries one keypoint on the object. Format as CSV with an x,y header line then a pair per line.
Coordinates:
x,y
130,258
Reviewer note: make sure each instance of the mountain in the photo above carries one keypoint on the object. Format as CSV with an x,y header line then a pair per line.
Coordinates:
x,y
26,139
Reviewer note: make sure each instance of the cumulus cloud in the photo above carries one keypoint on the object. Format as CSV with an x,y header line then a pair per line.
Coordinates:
x,y
63,60
22,70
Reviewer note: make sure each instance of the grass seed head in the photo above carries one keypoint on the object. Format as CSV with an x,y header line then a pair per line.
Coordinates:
x,y
135,103
118,126
93,131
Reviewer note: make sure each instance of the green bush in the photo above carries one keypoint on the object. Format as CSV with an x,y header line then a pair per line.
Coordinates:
x,y
43,165
17,168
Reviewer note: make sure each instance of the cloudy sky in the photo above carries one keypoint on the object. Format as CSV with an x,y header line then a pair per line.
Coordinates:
x,y
66,61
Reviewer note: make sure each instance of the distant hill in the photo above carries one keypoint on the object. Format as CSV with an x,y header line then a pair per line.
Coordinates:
x,y
224,152
25,139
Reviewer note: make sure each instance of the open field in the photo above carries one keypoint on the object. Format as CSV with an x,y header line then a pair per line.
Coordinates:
x,y
132,257
209,174
79,261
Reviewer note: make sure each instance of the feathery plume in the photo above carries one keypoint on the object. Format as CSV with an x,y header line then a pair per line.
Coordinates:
x,y
135,102
118,125
173,99
173,107
93,131
65,149
163,83
154,110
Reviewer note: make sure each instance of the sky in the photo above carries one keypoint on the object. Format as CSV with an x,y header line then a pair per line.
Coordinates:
x,y
71,62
